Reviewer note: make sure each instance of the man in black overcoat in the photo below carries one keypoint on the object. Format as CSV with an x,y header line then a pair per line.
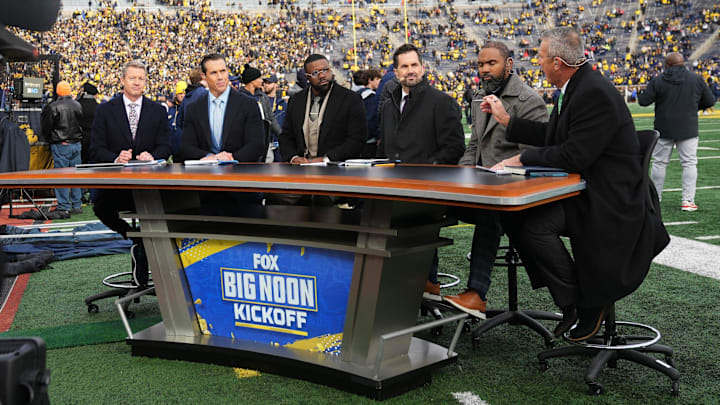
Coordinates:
x,y
613,233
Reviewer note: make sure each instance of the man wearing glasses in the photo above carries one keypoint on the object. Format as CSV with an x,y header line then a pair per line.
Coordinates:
x,y
325,121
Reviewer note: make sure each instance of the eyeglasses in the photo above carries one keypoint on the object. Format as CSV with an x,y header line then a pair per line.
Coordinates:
x,y
317,72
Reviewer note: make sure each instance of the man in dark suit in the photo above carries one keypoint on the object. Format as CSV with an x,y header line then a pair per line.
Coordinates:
x,y
324,121
128,127
613,233
222,124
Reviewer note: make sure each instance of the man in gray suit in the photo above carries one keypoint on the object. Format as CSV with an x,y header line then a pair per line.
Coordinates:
x,y
487,147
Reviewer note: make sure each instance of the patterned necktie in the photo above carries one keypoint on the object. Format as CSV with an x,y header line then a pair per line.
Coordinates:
x,y
217,121
133,118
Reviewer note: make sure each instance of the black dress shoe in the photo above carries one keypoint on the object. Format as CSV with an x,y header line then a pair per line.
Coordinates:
x,y
589,324
568,320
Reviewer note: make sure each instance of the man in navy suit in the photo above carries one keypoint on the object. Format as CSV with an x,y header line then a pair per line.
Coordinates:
x,y
128,127
222,124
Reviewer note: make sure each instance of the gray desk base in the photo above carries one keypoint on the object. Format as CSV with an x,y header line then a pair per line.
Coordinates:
x,y
398,375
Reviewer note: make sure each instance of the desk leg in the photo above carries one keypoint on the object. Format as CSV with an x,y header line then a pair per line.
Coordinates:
x,y
173,296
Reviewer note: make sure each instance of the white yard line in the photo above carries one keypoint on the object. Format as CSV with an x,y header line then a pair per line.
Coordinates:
x,y
699,158
710,237
468,398
680,223
706,148
669,190
692,256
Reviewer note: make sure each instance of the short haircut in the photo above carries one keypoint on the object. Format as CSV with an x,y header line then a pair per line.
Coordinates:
x,y
195,76
565,43
209,57
312,58
360,78
405,48
135,64
372,74
502,48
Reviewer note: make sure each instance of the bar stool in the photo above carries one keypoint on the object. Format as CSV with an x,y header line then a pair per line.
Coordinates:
x,y
513,315
610,346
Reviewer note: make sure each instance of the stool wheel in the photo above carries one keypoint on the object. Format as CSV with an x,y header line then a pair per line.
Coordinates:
x,y
595,389
93,309
130,314
675,389
544,366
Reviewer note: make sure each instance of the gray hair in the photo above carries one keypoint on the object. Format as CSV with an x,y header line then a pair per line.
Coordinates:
x,y
133,63
565,43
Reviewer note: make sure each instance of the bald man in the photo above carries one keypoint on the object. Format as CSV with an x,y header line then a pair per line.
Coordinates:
x,y
678,95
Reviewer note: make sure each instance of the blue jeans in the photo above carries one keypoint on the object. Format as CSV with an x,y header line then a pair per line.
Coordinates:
x,y
67,156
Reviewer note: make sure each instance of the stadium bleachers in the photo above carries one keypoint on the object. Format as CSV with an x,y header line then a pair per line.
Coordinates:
x,y
627,39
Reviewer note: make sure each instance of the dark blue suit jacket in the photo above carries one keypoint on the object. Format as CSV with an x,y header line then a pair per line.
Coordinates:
x,y
110,132
243,134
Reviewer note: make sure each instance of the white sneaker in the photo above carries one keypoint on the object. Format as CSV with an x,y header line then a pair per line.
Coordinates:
x,y
688,206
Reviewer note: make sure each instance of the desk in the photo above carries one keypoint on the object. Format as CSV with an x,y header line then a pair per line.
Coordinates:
x,y
388,247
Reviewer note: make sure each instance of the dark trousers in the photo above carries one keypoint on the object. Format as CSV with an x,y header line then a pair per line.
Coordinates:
x,y
107,205
485,243
535,233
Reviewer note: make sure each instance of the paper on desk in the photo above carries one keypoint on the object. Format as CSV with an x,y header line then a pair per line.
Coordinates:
x,y
209,162
496,171
158,162
314,164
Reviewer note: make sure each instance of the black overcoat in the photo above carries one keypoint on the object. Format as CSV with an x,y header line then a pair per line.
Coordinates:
x,y
613,232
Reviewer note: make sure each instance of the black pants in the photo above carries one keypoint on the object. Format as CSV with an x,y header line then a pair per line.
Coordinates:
x,y
107,206
536,235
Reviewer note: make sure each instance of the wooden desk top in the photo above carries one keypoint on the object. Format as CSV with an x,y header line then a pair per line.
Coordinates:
x,y
449,185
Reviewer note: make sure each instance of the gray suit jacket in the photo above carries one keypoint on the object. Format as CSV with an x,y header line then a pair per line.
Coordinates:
x,y
488,137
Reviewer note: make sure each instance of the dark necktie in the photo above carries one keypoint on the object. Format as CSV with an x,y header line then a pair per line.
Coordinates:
x,y
403,103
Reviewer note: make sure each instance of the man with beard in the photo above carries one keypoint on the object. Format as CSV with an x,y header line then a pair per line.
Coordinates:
x,y
487,147
325,121
420,124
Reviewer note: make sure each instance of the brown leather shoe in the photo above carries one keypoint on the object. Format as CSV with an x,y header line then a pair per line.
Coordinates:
x,y
469,302
432,291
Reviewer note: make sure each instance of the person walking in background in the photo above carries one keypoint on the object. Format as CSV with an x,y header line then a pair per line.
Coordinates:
x,y
678,95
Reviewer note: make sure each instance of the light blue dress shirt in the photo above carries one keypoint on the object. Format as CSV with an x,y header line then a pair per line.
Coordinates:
x,y
217,117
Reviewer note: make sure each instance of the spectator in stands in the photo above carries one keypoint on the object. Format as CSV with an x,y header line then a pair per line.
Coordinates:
x,y
119,135
367,82
252,88
488,147
89,104
279,108
613,232
62,129
421,124
196,89
678,96
324,122
172,114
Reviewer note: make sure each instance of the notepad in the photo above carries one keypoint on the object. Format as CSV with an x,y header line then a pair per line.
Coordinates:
x,y
534,170
158,162
209,162
490,170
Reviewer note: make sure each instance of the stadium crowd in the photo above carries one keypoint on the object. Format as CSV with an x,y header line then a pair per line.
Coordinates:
x,y
94,43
